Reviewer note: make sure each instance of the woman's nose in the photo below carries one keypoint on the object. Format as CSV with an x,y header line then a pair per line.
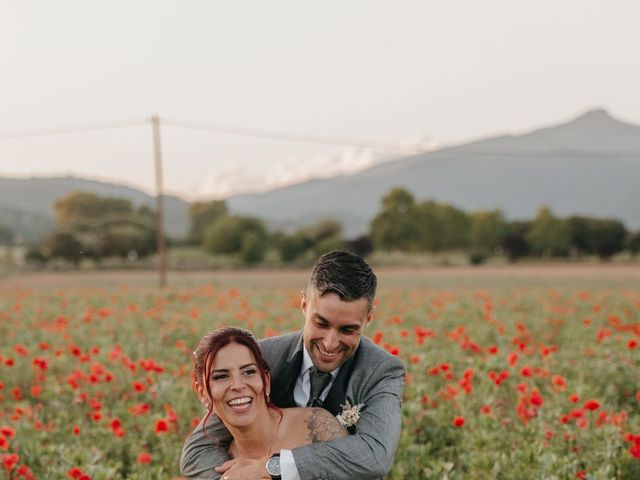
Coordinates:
x,y
236,382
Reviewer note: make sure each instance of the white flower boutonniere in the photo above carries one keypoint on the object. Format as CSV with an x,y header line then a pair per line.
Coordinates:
x,y
350,414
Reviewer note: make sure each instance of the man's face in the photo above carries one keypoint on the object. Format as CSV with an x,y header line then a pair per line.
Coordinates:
x,y
332,328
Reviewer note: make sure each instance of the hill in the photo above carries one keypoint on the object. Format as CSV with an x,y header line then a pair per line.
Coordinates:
x,y
26,205
589,165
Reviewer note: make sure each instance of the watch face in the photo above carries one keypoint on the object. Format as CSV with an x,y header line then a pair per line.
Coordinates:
x,y
273,466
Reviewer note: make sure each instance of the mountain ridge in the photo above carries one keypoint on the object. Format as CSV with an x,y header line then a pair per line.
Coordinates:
x,y
494,172
589,165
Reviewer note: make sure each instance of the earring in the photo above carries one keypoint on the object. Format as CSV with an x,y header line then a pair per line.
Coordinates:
x,y
206,406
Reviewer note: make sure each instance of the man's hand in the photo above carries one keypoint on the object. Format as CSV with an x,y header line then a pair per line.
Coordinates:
x,y
244,469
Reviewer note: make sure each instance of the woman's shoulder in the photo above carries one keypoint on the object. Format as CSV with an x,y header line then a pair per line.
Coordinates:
x,y
319,424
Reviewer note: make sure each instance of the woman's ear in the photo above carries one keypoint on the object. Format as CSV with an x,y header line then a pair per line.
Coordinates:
x,y
267,387
200,392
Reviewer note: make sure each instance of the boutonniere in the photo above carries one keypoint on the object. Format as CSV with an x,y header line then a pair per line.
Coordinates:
x,y
350,414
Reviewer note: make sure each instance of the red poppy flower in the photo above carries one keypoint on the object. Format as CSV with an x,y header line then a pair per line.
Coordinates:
x,y
535,398
20,350
10,460
161,426
139,387
591,405
457,421
74,472
144,458
559,382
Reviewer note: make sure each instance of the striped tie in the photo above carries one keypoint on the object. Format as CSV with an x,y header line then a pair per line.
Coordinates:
x,y
319,380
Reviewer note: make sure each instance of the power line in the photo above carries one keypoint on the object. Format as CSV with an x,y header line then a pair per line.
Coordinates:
x,y
521,153
74,128
316,139
224,129
277,135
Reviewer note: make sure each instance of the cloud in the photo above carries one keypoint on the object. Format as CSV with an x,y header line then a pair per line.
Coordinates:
x,y
296,169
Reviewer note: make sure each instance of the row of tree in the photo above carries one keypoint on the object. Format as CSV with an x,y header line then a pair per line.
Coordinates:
x,y
93,227
408,225
217,231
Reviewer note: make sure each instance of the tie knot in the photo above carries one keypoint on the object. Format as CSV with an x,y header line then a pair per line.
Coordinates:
x,y
319,381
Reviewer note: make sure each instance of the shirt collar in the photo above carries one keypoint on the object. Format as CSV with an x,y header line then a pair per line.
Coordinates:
x,y
307,364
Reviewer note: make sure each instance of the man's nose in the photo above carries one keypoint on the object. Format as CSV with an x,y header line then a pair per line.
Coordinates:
x,y
330,341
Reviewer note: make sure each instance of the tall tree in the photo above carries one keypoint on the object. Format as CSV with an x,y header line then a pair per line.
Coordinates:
x,y
396,226
82,206
227,234
549,236
6,235
488,228
607,236
203,215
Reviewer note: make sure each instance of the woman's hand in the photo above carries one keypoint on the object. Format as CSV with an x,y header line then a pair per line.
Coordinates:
x,y
244,469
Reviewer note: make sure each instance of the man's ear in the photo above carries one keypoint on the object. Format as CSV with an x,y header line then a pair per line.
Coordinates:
x,y
370,316
303,302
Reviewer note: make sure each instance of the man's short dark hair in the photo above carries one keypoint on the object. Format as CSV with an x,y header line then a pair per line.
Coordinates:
x,y
346,274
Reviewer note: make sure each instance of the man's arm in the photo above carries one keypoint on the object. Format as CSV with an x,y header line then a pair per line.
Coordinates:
x,y
368,453
201,453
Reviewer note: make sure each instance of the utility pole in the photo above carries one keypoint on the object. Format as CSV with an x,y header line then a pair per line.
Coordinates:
x,y
157,154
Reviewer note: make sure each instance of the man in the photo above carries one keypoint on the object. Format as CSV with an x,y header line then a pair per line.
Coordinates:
x,y
328,364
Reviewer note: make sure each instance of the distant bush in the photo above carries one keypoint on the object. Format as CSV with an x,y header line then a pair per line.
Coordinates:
x,y
227,234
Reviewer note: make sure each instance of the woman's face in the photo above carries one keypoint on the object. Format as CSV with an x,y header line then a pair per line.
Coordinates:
x,y
236,386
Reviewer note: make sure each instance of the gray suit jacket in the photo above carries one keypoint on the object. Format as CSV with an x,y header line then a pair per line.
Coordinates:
x,y
372,377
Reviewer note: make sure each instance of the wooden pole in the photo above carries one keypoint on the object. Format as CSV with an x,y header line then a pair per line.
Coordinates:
x,y
157,154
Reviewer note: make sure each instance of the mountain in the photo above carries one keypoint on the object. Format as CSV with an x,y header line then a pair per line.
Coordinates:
x,y
589,165
26,204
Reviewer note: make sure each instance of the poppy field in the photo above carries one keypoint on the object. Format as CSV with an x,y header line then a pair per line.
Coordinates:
x,y
504,380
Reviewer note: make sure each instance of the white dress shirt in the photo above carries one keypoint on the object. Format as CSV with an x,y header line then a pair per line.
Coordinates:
x,y
301,393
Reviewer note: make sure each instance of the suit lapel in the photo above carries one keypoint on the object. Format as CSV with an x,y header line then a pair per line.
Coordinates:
x,y
284,383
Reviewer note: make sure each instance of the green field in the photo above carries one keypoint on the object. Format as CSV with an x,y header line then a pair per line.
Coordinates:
x,y
525,373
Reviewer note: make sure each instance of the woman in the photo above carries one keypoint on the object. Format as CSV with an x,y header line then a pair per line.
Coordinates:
x,y
232,380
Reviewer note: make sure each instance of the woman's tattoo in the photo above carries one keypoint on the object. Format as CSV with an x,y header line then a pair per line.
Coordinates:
x,y
323,426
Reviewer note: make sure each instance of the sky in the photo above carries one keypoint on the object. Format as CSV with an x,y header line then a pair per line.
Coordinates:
x,y
413,74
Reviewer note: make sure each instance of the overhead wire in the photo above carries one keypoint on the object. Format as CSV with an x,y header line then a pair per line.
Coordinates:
x,y
316,139
89,127
286,136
